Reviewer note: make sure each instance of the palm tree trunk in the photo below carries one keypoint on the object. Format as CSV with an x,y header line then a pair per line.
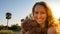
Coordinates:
x,y
7,23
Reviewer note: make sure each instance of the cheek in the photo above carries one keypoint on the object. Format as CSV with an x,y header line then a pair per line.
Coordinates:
x,y
35,16
44,17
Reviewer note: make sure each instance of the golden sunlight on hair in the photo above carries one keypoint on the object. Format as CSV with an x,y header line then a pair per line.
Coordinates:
x,y
53,20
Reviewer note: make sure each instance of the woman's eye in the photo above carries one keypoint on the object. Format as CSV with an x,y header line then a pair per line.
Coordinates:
x,y
36,12
42,13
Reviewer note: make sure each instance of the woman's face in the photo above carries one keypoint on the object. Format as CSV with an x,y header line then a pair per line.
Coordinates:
x,y
40,14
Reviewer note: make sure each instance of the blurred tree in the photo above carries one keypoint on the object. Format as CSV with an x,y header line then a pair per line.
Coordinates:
x,y
15,27
27,17
22,20
2,27
31,16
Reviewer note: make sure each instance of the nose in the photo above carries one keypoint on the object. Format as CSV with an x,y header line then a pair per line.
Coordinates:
x,y
39,16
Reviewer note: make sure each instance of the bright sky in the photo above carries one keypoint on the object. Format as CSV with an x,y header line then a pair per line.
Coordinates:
x,y
21,8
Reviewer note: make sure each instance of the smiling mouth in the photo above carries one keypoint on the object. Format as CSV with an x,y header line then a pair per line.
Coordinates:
x,y
40,20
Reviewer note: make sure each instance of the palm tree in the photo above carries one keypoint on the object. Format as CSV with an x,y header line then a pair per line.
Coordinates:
x,y
8,16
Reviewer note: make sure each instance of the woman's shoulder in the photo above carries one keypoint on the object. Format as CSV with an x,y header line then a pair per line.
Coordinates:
x,y
51,30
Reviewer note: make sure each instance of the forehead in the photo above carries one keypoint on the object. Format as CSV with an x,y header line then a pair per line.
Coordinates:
x,y
40,8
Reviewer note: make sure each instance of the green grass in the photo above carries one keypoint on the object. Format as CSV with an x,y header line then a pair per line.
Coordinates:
x,y
6,32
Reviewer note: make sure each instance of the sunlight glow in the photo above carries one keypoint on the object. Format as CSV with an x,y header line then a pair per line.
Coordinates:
x,y
56,9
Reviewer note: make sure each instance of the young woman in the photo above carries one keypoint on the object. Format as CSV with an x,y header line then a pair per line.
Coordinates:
x,y
43,15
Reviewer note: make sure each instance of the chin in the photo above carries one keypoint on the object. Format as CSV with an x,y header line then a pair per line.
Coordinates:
x,y
40,22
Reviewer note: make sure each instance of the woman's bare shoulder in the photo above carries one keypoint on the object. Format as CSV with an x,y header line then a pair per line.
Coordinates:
x,y
51,30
